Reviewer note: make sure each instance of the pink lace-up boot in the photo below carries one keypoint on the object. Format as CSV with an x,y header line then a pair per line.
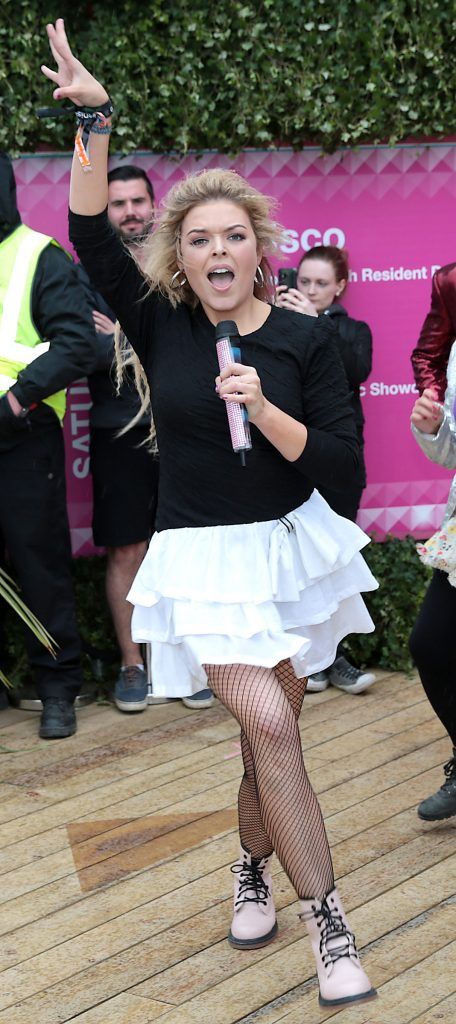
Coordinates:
x,y
254,922
340,975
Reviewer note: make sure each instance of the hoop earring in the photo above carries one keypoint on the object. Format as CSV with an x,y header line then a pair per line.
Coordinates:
x,y
259,277
174,283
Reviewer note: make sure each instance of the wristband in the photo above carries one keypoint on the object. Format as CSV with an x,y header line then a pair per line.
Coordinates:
x,y
86,113
88,119
106,109
91,119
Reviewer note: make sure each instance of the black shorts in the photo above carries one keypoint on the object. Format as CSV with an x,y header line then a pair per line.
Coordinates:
x,y
125,482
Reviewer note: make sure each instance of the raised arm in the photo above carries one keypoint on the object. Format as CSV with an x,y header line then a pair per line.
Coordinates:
x,y
89,189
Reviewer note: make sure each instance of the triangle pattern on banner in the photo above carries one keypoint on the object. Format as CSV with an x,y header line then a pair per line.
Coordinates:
x,y
81,536
428,517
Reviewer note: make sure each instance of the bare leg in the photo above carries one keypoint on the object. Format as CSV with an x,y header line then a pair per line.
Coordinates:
x,y
289,809
122,565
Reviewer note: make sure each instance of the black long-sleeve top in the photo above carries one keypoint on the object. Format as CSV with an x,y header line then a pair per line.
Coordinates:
x,y
354,341
202,482
110,410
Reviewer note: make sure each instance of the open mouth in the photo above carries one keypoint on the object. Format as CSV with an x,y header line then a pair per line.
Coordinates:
x,y
221,278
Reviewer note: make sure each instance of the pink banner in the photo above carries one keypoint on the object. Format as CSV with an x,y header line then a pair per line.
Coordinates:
x,y
391,208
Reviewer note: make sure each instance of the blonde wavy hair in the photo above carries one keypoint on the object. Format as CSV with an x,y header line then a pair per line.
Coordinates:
x,y
163,253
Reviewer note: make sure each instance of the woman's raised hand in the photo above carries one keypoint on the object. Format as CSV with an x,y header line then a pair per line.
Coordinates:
x,y
291,298
427,413
72,79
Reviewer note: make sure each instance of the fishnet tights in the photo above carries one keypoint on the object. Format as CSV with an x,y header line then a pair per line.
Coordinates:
x,y
251,829
277,806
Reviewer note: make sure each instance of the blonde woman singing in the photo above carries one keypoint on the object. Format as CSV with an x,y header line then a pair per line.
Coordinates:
x,y
250,580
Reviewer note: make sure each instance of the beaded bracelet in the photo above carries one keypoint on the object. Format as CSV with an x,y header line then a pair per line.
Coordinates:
x,y
101,129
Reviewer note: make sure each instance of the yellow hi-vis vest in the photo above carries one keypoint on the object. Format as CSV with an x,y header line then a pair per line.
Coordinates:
x,y
20,342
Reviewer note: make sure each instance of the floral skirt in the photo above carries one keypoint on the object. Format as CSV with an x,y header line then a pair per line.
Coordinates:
x,y
253,594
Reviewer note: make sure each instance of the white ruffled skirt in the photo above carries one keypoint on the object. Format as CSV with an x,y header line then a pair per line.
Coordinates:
x,y
252,594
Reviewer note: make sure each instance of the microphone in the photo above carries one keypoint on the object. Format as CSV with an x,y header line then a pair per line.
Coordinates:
x,y
226,333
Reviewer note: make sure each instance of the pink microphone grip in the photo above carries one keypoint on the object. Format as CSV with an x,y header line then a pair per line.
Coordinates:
x,y
237,414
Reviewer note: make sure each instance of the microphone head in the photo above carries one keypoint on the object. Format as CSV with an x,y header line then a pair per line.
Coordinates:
x,y
226,329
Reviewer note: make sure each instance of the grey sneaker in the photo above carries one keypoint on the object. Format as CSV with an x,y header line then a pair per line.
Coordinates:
x,y
443,803
346,677
202,699
130,691
318,682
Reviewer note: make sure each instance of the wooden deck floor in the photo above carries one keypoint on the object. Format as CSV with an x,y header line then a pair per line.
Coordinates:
x,y
115,848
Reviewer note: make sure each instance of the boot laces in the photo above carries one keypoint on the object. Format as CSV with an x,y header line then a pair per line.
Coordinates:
x,y
450,774
336,939
252,886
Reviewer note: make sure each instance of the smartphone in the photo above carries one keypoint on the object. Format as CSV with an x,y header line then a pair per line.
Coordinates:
x,y
287,276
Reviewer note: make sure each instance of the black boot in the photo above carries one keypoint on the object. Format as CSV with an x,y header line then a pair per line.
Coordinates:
x,y
443,803
58,719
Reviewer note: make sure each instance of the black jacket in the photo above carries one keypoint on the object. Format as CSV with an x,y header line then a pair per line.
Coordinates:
x,y
354,340
62,315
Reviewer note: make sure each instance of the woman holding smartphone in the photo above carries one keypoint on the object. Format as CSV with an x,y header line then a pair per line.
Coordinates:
x,y
249,579
321,279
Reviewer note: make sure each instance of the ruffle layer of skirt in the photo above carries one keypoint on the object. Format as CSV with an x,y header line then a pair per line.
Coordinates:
x,y
252,594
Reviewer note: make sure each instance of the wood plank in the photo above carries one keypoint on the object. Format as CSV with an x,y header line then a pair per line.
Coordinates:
x,y
406,719
29,825
414,896
7,791
177,776
64,895
154,942
59,765
390,955
357,740
32,876
400,855
69,769
158,787
59,865
91,736
339,826
386,961
416,990
124,1009
443,1012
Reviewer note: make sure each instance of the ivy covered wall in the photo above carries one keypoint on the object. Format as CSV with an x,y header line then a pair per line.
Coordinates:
x,y
191,74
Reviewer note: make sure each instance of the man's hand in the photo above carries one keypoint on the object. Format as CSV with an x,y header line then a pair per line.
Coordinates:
x,y
10,421
103,324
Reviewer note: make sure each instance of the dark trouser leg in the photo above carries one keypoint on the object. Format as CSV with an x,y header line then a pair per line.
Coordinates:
x,y
433,649
34,523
